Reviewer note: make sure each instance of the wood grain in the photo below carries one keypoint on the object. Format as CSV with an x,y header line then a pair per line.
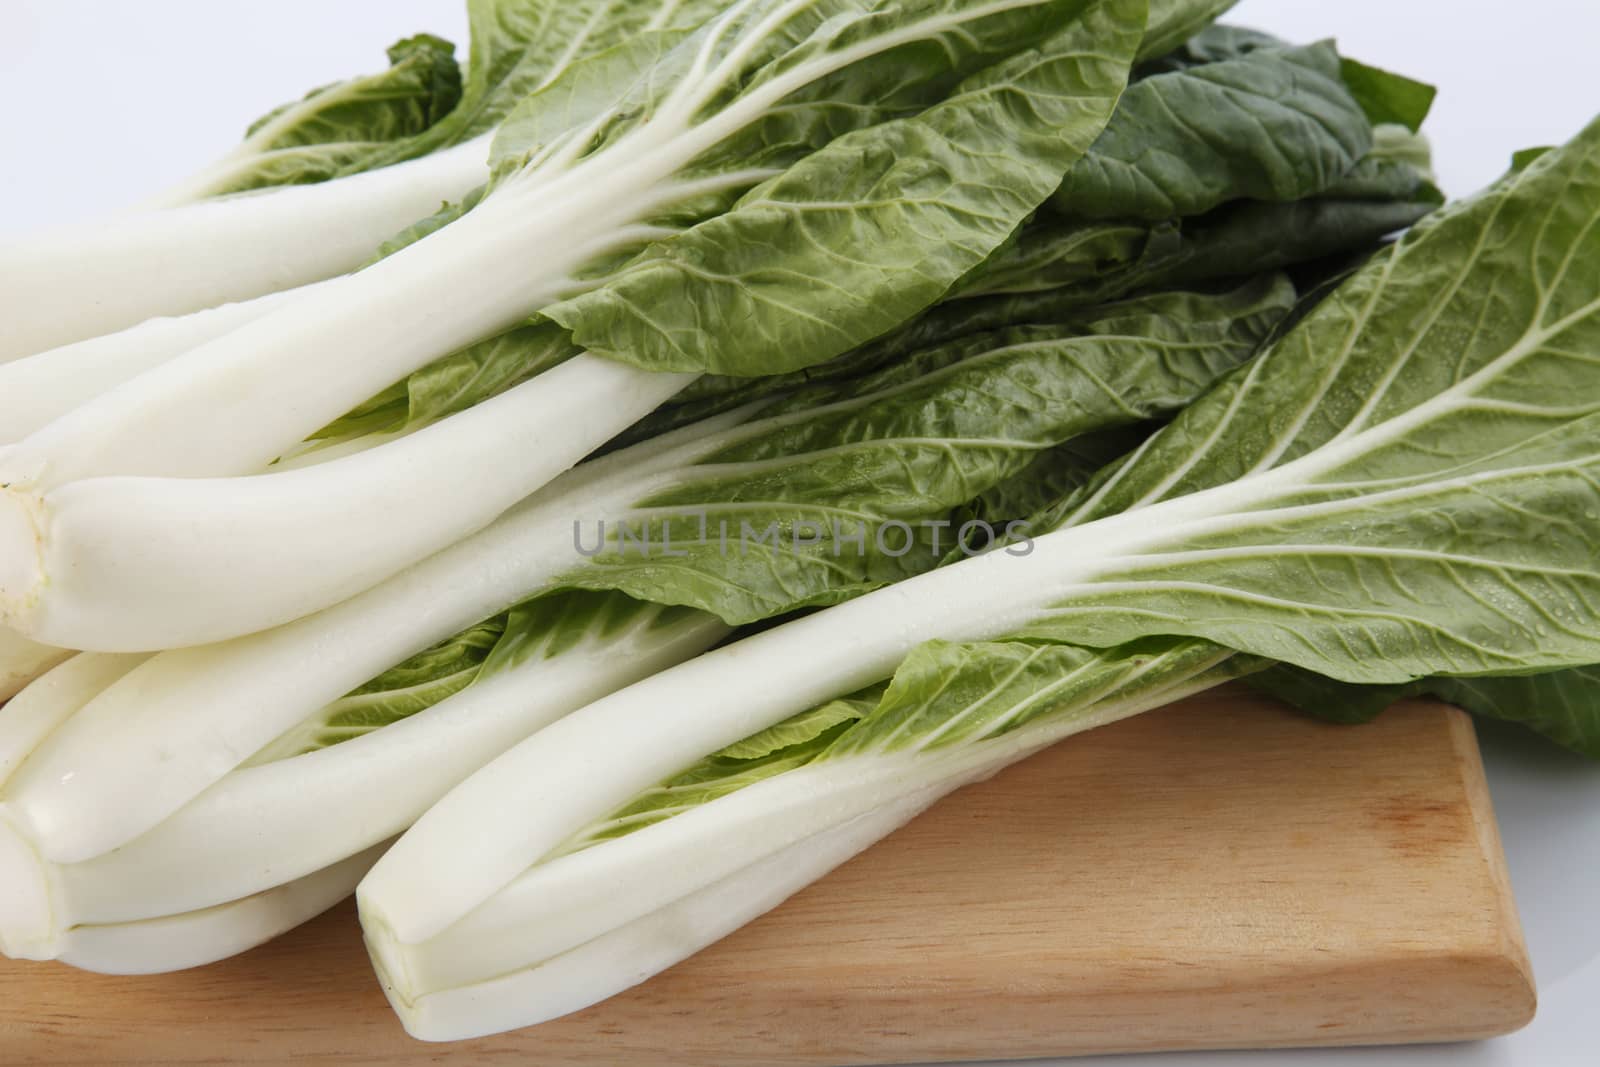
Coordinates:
x,y
1217,874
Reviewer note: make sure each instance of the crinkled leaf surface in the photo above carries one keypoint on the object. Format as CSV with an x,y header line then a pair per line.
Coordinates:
x,y
1405,483
863,233
519,46
341,125
1275,124
795,510
540,629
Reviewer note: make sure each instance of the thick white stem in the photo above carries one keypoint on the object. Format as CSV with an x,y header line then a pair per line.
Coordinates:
x,y
626,956
558,905
142,563
99,277
57,695
193,939
250,828
153,741
248,832
624,743
597,759
22,661
40,388
234,404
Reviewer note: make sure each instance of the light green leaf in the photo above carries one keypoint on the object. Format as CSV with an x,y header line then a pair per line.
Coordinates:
x,y
763,755
949,693
540,629
797,510
1173,22
1404,484
991,699
882,220
403,690
519,46
800,730
340,125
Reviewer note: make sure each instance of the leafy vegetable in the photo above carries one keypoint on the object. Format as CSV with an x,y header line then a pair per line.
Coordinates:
x,y
1082,262
357,772
1387,97
521,46
1562,705
437,667
1172,22
1357,501
829,168
1275,124
338,125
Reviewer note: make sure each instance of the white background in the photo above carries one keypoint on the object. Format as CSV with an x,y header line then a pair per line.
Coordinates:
x,y
103,102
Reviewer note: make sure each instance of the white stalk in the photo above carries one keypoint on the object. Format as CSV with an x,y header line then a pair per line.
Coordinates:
x,y
66,285
585,766
629,954
561,905
40,388
33,715
193,939
140,563
22,661
150,743
234,404
248,832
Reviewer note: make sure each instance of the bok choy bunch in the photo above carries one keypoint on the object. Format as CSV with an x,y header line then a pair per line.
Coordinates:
x,y
654,205
1406,483
132,799
124,775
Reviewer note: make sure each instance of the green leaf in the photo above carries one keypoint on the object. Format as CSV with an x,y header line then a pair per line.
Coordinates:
x,y
802,729
601,86
953,693
539,629
401,691
1275,124
519,46
1387,97
1057,266
1521,160
883,219
827,470
556,623
1563,706
786,746
1404,484
1053,475
1173,22
1214,44
1056,272
995,699
338,125
482,370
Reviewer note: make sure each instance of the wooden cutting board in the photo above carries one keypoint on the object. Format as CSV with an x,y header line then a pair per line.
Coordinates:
x,y
1217,874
